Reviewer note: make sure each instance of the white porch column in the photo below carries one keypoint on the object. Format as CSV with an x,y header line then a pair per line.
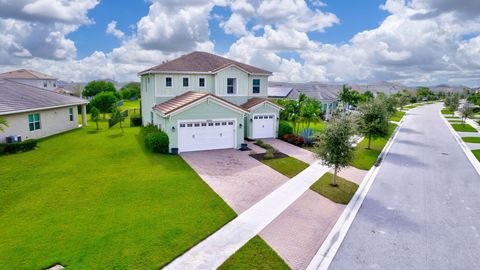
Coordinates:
x,y
84,115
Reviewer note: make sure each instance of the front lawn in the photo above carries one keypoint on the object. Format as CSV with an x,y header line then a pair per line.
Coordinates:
x,y
91,200
132,106
446,111
316,127
463,128
342,194
397,116
471,139
365,158
254,255
288,166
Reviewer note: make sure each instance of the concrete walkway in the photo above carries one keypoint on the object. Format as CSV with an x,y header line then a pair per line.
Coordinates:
x,y
422,210
214,250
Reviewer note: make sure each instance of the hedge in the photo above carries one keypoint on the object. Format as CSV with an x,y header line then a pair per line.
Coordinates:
x,y
10,148
135,121
284,128
155,140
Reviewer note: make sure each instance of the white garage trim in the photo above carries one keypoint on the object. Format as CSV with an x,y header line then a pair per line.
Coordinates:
x,y
235,127
273,130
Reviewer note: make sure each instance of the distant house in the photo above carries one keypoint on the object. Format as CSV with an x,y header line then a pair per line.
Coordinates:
x,y
325,93
31,77
33,112
204,102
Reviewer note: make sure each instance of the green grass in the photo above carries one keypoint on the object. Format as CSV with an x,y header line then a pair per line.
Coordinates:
x,y
288,166
471,139
463,128
397,117
476,153
365,158
454,121
91,200
254,255
316,127
451,117
342,194
127,104
446,111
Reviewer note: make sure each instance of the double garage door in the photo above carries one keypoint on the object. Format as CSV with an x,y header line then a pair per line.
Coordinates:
x,y
263,126
206,135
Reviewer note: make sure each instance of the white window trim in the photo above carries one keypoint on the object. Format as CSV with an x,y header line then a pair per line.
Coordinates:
x,y
71,115
204,82
188,78
259,86
39,121
171,81
234,86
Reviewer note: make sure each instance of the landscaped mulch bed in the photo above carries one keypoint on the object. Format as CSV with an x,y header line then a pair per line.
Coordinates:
x,y
261,156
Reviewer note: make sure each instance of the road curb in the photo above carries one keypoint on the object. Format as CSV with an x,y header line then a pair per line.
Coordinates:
x,y
471,157
324,256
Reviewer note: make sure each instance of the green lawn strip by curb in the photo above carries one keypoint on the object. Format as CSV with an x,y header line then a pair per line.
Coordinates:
x,y
444,111
471,139
342,194
476,153
254,255
288,166
463,128
397,116
365,158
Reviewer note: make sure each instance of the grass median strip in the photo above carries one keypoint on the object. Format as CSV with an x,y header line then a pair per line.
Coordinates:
x,y
397,116
256,255
446,111
342,194
365,158
463,128
476,153
471,139
288,166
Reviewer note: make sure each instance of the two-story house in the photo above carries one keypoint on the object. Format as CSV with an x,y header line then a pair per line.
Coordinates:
x,y
205,102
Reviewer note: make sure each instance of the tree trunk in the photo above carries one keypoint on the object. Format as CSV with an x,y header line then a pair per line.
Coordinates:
x,y
334,179
103,116
369,140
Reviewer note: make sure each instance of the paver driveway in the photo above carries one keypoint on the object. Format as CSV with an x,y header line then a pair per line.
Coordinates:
x,y
239,179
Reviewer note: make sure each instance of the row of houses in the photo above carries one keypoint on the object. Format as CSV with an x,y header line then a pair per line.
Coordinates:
x,y
201,100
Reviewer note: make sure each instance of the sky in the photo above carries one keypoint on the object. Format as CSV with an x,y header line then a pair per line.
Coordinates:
x,y
414,42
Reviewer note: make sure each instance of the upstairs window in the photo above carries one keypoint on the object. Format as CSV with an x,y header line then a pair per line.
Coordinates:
x,y
201,82
168,82
231,85
70,113
44,83
34,121
185,82
256,86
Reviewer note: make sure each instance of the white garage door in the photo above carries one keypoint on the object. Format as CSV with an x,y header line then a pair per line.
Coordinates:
x,y
263,126
206,135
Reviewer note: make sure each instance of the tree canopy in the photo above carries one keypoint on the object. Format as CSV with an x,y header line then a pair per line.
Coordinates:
x,y
104,102
131,90
373,120
95,87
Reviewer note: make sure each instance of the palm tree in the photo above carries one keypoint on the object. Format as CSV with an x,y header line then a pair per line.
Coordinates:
x,y
311,111
3,124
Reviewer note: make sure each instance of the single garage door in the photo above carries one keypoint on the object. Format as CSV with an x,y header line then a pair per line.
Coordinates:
x,y
206,135
263,126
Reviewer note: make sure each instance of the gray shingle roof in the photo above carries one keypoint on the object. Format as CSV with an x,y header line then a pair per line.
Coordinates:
x,y
25,74
201,62
19,97
319,91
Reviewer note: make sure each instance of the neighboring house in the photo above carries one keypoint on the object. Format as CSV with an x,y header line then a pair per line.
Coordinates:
x,y
30,77
33,112
326,94
204,101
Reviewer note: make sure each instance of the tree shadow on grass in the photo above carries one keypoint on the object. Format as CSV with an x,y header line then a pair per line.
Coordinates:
x,y
113,136
93,131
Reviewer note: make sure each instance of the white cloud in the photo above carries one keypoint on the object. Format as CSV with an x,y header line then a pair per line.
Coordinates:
x,y
112,29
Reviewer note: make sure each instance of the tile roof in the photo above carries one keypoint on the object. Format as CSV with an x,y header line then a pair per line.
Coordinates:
x,y
16,97
25,74
185,99
201,62
256,101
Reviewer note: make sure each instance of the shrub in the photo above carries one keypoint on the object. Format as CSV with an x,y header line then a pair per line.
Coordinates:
x,y
253,152
269,154
155,140
135,121
24,146
284,128
259,143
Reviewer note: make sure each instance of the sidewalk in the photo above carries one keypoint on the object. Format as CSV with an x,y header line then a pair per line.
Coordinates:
x,y
214,250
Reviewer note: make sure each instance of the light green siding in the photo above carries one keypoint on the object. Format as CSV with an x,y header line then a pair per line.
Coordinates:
x,y
244,86
207,110
262,109
177,84
148,97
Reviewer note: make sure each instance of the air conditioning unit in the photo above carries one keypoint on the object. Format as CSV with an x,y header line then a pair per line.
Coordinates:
x,y
14,139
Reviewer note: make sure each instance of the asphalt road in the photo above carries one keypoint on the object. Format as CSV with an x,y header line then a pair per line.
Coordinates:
x,y
423,210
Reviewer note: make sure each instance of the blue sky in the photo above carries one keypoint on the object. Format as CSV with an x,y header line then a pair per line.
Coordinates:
x,y
413,42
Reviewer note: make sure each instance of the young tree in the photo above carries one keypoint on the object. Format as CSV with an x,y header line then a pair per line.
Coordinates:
x,y
311,111
3,124
335,146
454,103
466,111
345,96
373,120
117,116
95,115
95,87
104,102
402,100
